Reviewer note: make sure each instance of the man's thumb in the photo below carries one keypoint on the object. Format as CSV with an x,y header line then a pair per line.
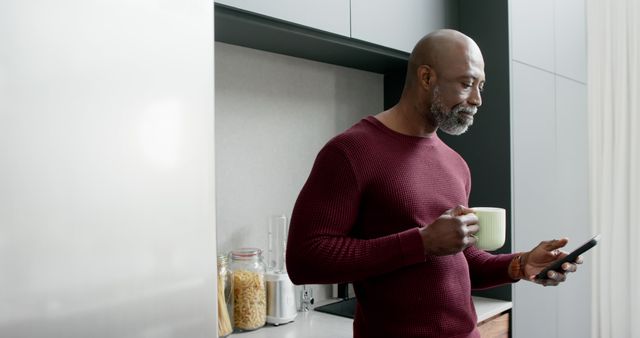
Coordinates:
x,y
556,244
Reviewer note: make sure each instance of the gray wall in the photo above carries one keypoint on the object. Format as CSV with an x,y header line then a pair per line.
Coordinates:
x,y
273,114
549,145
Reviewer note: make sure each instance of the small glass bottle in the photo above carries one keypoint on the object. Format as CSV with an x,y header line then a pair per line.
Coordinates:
x,y
249,290
225,298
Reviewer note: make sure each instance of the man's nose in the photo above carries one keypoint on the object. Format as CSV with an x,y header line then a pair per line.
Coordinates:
x,y
475,98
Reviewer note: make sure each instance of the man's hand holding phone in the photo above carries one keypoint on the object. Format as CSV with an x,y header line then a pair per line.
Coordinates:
x,y
547,265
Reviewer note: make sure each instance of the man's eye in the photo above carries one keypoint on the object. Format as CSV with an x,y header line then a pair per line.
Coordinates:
x,y
467,85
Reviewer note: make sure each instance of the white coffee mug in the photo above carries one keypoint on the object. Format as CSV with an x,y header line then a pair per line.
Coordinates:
x,y
493,224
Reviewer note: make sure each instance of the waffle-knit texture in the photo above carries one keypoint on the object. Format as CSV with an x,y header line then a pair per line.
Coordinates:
x,y
356,220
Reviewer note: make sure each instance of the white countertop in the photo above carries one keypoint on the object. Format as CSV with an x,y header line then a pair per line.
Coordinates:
x,y
488,307
314,324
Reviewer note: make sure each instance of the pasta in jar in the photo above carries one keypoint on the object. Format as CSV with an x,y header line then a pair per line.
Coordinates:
x,y
249,290
250,300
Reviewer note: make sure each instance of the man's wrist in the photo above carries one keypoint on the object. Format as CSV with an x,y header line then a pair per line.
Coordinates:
x,y
425,242
516,267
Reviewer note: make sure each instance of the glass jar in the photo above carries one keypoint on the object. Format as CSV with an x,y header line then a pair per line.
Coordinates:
x,y
249,290
225,297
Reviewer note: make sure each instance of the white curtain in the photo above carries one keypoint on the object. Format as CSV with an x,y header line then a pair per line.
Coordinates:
x,y
613,40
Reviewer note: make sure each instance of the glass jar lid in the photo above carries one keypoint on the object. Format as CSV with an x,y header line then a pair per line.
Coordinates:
x,y
245,253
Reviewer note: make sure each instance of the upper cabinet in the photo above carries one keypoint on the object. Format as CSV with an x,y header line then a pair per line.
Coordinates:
x,y
400,25
532,31
382,22
550,35
571,39
327,15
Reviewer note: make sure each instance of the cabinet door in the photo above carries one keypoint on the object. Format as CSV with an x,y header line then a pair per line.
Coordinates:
x,y
327,15
572,157
570,39
399,24
532,32
535,202
496,327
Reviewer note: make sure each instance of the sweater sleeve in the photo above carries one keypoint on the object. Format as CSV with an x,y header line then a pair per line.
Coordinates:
x,y
321,248
487,270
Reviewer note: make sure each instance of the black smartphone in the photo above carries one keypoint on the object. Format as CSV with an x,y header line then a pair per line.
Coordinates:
x,y
557,265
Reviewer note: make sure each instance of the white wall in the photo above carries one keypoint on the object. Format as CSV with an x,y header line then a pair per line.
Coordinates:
x,y
549,130
106,169
273,114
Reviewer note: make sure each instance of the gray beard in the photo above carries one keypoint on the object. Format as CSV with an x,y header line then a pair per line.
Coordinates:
x,y
450,121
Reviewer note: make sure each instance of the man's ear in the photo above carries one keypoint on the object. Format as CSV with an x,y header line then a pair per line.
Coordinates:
x,y
427,76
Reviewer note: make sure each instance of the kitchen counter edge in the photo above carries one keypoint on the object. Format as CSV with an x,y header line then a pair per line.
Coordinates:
x,y
314,324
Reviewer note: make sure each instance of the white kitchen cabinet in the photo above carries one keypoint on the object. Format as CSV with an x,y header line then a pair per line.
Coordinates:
x,y
534,154
399,25
550,158
532,32
572,158
570,39
550,195
574,303
551,35
534,191
107,210
328,15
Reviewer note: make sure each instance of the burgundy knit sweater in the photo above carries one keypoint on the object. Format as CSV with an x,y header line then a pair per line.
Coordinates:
x,y
356,220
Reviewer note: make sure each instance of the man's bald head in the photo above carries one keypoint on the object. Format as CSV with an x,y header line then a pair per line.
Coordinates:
x,y
441,50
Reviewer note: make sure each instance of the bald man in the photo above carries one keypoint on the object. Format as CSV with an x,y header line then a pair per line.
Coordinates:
x,y
385,207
